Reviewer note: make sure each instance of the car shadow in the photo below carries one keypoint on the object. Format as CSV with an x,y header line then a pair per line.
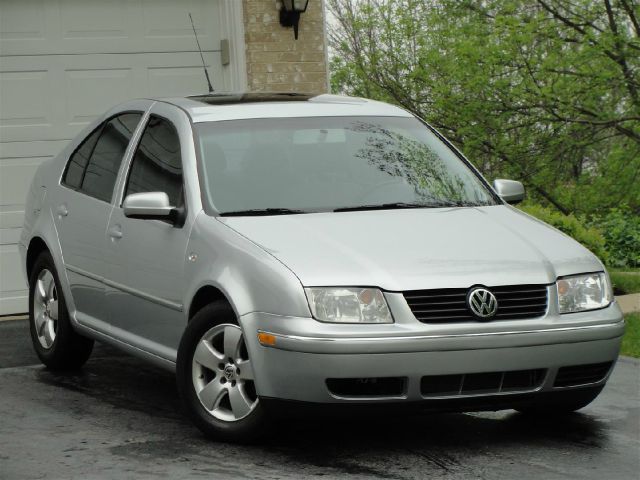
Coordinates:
x,y
441,441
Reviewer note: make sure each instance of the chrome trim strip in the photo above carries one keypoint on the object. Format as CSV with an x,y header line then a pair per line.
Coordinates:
x,y
479,395
582,385
368,399
431,337
126,289
84,273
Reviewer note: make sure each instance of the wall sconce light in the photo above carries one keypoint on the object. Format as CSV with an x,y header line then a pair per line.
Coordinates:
x,y
290,13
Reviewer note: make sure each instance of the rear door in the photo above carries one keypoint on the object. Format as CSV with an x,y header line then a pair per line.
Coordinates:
x,y
82,206
146,258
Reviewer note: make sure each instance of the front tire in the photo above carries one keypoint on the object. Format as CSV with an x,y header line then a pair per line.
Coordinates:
x,y
215,377
55,341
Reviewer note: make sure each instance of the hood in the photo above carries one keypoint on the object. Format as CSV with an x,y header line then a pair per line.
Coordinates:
x,y
399,250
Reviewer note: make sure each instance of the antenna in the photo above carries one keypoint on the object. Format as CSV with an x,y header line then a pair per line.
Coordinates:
x,y
204,67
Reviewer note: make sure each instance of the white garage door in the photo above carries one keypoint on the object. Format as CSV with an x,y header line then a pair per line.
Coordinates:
x,y
64,62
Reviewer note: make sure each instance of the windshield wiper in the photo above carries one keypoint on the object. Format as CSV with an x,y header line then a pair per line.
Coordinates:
x,y
261,211
457,203
382,206
399,205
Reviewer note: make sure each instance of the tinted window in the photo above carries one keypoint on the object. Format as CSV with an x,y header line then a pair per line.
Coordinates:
x,y
157,166
78,161
104,163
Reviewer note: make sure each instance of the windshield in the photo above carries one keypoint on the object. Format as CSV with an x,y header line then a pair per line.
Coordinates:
x,y
299,165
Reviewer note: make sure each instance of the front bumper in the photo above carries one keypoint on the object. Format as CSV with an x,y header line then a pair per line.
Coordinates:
x,y
307,353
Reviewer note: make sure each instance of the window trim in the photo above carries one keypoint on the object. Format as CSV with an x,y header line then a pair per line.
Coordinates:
x,y
83,141
195,140
135,148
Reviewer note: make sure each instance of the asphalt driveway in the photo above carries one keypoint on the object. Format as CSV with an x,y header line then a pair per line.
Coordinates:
x,y
119,418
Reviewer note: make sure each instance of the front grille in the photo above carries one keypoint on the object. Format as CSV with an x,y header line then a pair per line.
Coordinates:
x,y
450,304
481,383
581,374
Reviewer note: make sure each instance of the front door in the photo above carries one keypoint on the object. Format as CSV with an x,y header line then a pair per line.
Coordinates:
x,y
145,258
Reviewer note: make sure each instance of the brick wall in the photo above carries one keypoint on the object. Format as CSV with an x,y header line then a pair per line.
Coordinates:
x,y
275,60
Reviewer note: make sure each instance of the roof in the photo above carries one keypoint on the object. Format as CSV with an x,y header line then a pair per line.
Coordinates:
x,y
236,106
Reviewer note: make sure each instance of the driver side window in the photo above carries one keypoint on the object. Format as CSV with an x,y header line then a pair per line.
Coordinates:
x,y
156,164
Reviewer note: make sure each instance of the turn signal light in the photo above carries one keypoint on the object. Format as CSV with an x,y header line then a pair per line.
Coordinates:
x,y
267,339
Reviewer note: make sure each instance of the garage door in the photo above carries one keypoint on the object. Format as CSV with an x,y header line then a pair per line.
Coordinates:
x,y
64,62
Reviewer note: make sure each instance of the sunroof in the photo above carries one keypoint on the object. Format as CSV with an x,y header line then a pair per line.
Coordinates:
x,y
222,98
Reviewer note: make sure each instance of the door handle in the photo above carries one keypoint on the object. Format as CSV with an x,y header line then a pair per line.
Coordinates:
x,y
62,211
115,232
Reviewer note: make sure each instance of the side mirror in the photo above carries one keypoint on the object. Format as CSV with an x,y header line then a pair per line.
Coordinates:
x,y
509,190
148,206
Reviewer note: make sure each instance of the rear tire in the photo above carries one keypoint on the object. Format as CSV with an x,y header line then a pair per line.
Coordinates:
x,y
215,377
563,403
55,341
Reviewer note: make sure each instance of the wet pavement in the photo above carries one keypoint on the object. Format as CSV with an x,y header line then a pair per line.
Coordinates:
x,y
119,418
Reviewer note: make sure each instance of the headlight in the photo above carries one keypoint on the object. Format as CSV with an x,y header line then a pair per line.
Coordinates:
x,y
583,292
348,305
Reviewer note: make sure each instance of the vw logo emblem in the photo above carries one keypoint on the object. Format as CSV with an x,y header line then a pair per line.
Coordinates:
x,y
482,303
229,372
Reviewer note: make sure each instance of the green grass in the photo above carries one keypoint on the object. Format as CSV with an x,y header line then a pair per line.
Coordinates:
x,y
625,269
631,339
625,282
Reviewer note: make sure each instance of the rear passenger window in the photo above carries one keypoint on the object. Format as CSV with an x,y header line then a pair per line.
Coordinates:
x,y
157,165
78,161
104,163
93,167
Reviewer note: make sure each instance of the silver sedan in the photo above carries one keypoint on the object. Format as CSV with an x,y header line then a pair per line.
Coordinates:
x,y
272,248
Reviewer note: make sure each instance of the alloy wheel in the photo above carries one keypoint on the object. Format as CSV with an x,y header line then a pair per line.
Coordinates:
x,y
223,375
45,308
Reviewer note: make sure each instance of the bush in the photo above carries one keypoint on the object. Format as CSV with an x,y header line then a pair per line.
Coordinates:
x,y
588,236
621,230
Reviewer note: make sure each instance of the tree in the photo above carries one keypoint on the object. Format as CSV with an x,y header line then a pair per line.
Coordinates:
x,y
546,91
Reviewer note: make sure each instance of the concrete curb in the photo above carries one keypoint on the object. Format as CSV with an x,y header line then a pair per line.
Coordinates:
x,y
629,303
7,318
627,359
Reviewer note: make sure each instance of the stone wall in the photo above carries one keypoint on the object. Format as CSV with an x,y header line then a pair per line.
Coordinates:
x,y
275,60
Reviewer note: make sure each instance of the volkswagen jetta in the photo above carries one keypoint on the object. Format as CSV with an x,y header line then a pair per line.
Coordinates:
x,y
317,249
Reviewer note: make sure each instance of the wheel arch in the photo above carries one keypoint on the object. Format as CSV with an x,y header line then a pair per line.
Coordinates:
x,y
36,246
204,296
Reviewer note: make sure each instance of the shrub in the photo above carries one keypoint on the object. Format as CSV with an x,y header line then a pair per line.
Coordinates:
x,y
589,236
621,230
